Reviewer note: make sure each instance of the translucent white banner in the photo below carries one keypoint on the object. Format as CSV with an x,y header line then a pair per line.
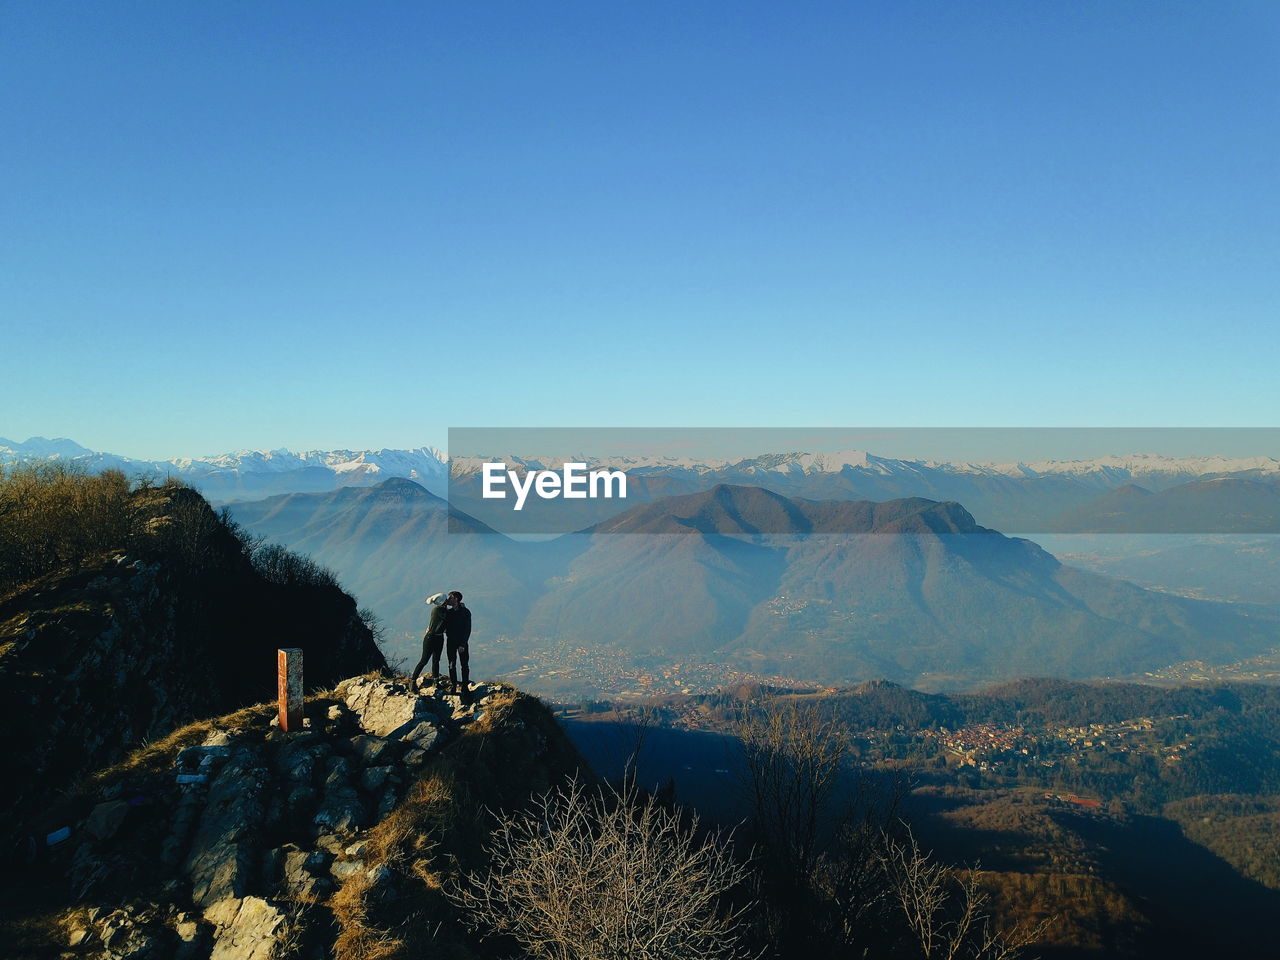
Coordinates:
x,y
785,481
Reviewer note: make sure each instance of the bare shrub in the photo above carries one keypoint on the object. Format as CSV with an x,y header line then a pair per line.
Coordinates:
x,y
378,628
283,567
194,534
247,541
54,516
605,876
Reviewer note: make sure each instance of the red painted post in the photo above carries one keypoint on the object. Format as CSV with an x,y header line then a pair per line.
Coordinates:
x,y
289,687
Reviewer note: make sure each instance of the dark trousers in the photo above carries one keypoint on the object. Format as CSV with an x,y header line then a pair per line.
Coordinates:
x,y
459,652
432,645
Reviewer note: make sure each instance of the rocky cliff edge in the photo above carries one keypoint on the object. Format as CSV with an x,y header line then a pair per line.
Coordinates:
x,y
233,840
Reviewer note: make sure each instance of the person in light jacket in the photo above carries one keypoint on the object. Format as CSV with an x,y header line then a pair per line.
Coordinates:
x,y
433,639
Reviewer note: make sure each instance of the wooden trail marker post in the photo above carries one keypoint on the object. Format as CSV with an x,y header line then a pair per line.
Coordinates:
x,y
289,687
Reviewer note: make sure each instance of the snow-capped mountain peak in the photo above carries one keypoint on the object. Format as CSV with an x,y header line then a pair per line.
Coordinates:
x,y
253,474
42,448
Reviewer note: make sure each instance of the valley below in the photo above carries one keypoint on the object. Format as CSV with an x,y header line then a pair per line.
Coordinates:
x,y
1140,821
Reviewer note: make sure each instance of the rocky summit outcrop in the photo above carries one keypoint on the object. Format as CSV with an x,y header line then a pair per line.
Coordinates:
x,y
129,645
234,840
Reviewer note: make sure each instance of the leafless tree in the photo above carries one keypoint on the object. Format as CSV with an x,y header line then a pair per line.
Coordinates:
x,y
622,741
850,898
193,530
944,908
634,729
819,825
588,875
794,758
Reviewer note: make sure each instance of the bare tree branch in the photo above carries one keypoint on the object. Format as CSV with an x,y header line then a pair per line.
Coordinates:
x,y
606,876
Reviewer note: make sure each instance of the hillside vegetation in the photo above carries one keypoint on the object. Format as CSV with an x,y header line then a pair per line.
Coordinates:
x,y
127,609
1144,820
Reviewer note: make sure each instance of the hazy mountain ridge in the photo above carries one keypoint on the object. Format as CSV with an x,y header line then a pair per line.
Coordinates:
x,y
912,590
1008,495
729,509
1217,505
920,606
1106,471
1020,497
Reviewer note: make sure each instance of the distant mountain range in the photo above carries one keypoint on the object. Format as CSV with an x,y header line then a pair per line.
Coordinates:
x,y
913,590
253,474
1218,505
1060,496
1102,472
1040,496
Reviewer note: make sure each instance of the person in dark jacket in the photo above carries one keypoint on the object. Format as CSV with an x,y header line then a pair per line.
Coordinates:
x,y
433,639
457,628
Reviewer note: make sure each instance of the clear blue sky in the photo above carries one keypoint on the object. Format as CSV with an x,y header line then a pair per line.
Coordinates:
x,y
317,225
